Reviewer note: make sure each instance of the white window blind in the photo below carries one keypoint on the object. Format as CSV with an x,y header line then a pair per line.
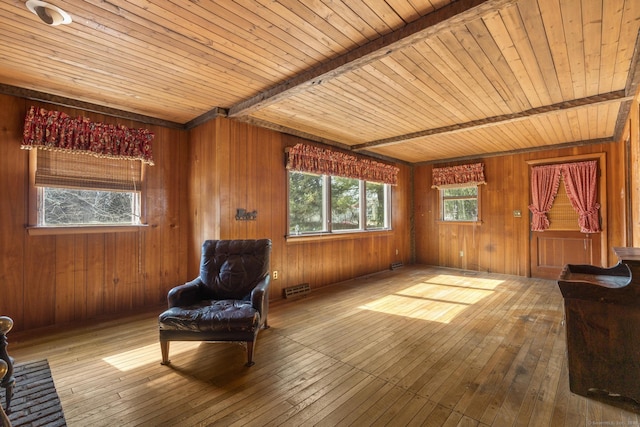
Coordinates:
x,y
81,171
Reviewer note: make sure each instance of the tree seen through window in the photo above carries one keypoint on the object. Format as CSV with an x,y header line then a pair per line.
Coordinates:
x,y
321,203
61,206
460,204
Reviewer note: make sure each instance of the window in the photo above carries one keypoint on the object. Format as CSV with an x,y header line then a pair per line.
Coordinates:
x,y
345,203
376,206
459,203
83,190
324,204
307,203
63,206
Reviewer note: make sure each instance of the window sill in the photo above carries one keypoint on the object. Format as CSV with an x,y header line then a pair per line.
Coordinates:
x,y
440,221
304,238
83,229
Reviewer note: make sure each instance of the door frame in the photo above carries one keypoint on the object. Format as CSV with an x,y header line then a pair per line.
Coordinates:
x,y
602,197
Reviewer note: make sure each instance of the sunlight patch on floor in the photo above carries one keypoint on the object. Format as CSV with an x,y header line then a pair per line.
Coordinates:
x,y
440,299
142,356
464,281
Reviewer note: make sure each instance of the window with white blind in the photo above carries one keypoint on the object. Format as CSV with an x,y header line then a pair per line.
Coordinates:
x,y
73,190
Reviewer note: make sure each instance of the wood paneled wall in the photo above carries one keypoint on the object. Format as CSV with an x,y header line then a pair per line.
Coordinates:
x,y
202,176
237,165
50,280
501,242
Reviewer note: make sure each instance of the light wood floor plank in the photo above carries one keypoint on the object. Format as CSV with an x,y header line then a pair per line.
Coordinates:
x,y
403,410
418,346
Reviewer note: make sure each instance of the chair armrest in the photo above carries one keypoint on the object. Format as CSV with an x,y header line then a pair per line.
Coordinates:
x,y
260,297
185,294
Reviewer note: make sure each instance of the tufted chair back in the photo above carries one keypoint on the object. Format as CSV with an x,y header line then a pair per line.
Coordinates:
x,y
231,269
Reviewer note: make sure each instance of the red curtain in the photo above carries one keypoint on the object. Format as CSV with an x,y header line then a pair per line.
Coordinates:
x,y
580,182
312,159
545,181
54,130
456,176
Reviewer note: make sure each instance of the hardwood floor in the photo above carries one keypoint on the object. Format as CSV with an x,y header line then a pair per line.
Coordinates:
x,y
415,346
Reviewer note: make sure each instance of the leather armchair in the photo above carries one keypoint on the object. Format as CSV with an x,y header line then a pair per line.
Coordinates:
x,y
228,301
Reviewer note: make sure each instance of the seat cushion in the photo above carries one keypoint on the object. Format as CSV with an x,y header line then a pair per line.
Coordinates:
x,y
212,316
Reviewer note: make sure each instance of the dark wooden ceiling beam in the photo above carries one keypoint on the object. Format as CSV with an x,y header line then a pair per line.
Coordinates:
x,y
290,131
452,14
203,118
618,96
631,89
518,151
314,138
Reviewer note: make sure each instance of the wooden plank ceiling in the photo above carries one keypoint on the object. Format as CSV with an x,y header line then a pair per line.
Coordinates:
x,y
413,80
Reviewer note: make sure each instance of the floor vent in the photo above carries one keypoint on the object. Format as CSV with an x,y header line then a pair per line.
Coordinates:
x,y
396,265
298,290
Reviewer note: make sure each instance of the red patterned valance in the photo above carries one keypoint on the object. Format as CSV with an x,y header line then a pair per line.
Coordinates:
x,y
458,176
54,130
312,159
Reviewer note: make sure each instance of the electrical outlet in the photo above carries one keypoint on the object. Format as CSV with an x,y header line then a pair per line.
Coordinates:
x,y
275,275
461,253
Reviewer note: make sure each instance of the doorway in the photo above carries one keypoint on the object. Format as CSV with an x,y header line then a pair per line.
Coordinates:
x,y
563,242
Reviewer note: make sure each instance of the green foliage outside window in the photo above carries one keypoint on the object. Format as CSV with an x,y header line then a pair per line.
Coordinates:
x,y
460,204
345,203
305,203
376,208
353,204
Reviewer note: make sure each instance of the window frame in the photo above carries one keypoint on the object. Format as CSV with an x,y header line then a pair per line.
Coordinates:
x,y
327,225
34,227
441,200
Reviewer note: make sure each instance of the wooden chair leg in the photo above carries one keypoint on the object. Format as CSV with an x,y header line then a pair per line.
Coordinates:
x,y
7,381
164,348
249,354
4,419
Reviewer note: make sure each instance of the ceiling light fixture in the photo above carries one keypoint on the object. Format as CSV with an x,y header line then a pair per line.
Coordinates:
x,y
48,13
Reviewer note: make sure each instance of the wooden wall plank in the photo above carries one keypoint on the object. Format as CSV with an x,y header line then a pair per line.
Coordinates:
x,y
159,215
126,272
80,282
39,303
173,220
13,185
95,277
195,191
277,176
426,213
64,278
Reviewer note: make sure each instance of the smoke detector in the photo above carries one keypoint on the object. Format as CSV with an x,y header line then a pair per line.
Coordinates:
x,y
48,13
